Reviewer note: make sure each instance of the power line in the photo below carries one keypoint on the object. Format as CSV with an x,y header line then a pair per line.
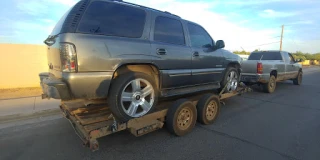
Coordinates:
x,y
264,44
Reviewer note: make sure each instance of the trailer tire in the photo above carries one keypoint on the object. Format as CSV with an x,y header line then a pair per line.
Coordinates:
x,y
208,108
181,117
141,100
271,85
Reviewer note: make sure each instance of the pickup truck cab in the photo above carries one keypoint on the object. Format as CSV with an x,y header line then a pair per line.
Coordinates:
x,y
269,67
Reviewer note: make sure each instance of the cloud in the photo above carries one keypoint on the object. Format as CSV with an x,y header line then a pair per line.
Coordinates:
x,y
301,22
243,3
50,21
33,8
269,13
38,7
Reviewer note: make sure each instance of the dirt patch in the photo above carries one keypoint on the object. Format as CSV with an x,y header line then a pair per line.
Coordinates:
x,y
20,92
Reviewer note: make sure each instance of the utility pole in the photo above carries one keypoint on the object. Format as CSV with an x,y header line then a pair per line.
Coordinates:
x,y
281,37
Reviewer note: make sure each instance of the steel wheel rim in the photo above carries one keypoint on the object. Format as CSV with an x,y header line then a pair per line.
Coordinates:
x,y
232,81
137,97
185,118
211,110
271,84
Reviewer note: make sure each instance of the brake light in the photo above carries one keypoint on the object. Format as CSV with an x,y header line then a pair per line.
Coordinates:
x,y
68,57
259,68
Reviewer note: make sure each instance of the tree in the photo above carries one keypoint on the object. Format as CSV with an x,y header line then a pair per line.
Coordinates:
x,y
241,52
309,56
316,56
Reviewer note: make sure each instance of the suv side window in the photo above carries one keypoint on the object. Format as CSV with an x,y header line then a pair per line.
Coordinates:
x,y
198,36
168,30
113,19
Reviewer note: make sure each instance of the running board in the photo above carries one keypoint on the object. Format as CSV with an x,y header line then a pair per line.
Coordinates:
x,y
186,90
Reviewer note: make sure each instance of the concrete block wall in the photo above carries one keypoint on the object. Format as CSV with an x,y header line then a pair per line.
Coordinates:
x,y
20,65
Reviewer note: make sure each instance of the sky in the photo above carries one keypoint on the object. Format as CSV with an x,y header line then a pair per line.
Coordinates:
x,y
242,24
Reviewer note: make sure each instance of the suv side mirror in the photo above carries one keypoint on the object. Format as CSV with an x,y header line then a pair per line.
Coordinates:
x,y
220,44
298,60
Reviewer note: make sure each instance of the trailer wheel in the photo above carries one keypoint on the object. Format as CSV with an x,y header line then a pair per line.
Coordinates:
x,y
181,117
208,108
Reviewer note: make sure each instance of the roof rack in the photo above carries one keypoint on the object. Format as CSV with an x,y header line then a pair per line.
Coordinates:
x,y
121,1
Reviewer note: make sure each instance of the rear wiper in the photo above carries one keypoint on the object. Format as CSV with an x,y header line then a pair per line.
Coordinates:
x,y
50,40
96,30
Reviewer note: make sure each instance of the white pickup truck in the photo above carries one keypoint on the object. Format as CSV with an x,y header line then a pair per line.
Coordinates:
x,y
269,67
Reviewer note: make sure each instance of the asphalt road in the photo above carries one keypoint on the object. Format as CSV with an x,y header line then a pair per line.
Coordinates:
x,y
283,125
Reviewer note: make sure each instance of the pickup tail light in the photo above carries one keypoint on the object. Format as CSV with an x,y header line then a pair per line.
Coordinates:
x,y
68,57
259,68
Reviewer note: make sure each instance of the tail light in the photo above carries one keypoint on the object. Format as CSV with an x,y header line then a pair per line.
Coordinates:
x,y
259,68
68,57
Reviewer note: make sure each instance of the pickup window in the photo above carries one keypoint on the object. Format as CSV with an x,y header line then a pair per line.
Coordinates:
x,y
265,56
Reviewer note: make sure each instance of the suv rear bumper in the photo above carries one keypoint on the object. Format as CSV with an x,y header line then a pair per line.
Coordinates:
x,y
91,85
53,87
255,78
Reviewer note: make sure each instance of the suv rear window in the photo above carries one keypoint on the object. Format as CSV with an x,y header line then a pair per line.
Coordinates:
x,y
266,56
113,20
168,30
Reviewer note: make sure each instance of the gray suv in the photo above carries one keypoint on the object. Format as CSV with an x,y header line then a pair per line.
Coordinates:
x,y
131,55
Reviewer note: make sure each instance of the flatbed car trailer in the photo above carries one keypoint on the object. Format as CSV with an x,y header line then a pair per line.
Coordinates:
x,y
93,119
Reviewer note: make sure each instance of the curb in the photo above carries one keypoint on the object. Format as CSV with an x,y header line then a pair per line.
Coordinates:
x,y
28,107
19,117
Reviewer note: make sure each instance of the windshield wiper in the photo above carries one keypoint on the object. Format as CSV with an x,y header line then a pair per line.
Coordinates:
x,y
50,40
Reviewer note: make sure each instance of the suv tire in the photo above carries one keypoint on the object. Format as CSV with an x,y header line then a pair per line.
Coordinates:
x,y
232,75
132,95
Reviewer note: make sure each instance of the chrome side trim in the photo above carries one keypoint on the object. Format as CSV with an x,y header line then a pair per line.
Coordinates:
x,y
207,71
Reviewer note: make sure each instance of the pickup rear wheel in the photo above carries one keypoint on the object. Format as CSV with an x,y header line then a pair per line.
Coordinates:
x,y
298,80
230,80
271,85
132,95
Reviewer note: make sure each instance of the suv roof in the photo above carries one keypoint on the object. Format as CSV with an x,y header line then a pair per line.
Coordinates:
x,y
148,8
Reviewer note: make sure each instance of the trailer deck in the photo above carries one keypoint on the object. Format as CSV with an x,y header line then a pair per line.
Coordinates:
x,y
93,119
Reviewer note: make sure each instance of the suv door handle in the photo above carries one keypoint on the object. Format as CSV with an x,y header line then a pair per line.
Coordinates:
x,y
196,54
161,51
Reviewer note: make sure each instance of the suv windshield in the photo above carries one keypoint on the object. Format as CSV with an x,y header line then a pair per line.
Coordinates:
x,y
265,56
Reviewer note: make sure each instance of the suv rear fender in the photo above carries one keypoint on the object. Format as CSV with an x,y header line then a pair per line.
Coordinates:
x,y
145,68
